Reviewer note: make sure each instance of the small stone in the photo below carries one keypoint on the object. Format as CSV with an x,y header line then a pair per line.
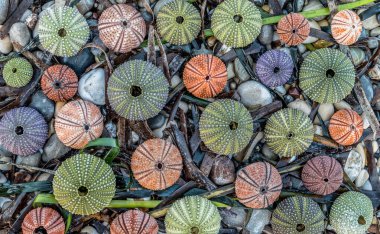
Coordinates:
x,y
362,178
375,146
135,137
323,23
4,203
89,230
146,15
156,122
183,106
267,152
240,71
47,5
300,105
325,110
44,177
91,86
211,41
4,6
259,219
234,217
353,165
318,130
301,48
374,73
25,15
233,85
30,160
5,167
19,33
84,6
342,105
5,45
357,55
367,186
98,42
365,121
254,95
80,62
367,86
223,171
310,39
3,179
371,22
43,104
230,70
159,132
266,34
111,129
176,80
281,90
375,32
54,149
372,43
314,5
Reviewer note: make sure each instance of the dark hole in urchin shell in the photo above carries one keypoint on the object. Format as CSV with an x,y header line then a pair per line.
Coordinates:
x,y
19,130
233,125
194,230
125,23
14,70
160,166
294,31
135,91
57,84
326,180
276,69
62,32
361,220
263,190
207,78
300,227
179,19
352,127
290,135
82,191
330,73
86,127
238,18
40,230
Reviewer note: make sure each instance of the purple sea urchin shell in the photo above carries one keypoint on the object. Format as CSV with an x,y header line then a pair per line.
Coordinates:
x,y
23,131
274,68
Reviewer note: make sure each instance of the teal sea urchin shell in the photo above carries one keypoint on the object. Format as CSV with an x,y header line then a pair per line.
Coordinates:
x,y
84,184
236,23
17,72
226,126
63,31
193,214
327,75
296,215
137,90
289,132
178,22
351,213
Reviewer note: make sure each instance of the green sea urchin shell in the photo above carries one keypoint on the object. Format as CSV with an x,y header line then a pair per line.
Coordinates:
x,y
226,126
178,22
296,215
63,31
289,132
17,72
192,214
137,90
351,213
236,23
84,184
327,75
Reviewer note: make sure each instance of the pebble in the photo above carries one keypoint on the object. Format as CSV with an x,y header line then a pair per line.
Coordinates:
x,y
45,57
84,6
314,5
111,129
367,186
233,85
267,152
19,33
234,217
362,178
135,137
30,160
26,14
318,130
5,45
159,132
375,146
95,51
3,179
281,90
89,230
240,71
230,70
372,43
223,171
5,167
325,110
183,106
47,5
156,122
357,55
43,104
176,80
80,62
4,5
367,86
254,95
266,34
342,105
91,86
43,177
259,219
300,105
371,22
54,149
299,4
365,121
146,15
310,39
375,32
4,203
301,48
323,23
374,73
353,165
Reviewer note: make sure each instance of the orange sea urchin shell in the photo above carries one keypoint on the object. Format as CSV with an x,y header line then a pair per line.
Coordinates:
x,y
77,123
346,27
205,76
59,83
43,219
156,164
346,127
258,185
293,29
322,175
121,28
134,221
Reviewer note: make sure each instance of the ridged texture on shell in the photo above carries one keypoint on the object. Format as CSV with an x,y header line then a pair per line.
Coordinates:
x,y
289,132
352,213
152,83
169,27
258,185
156,164
59,83
192,213
63,31
327,75
23,131
205,76
121,28
216,122
346,127
44,217
17,72
322,175
296,215
81,172
346,27
293,29
134,221
236,23
274,68
77,123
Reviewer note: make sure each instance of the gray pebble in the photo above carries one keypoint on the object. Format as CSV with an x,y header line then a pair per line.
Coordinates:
x,y
54,148
156,122
19,33
91,86
43,104
4,5
367,86
30,160
266,34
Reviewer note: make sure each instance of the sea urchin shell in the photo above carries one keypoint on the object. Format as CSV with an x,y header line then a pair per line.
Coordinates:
x,y
43,220
77,123
322,175
84,184
346,127
274,68
289,132
63,30
327,75
156,164
134,221
296,215
258,185
178,22
17,72
293,29
137,90
226,126
193,214
236,23
346,27
121,28
23,131
205,76
59,83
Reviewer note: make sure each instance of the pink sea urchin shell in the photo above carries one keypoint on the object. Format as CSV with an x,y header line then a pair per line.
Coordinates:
x,y
346,27
43,219
134,221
